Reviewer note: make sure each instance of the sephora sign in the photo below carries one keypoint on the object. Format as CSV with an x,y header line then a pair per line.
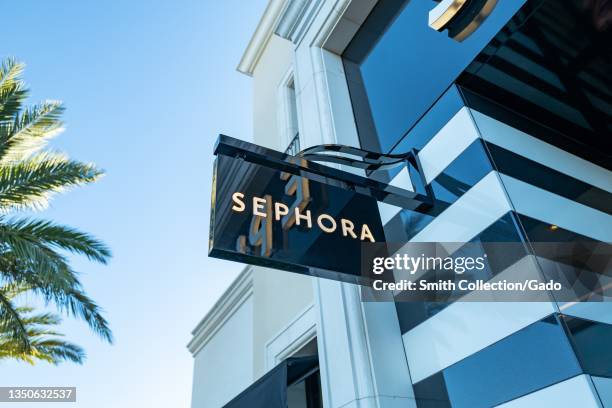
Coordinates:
x,y
272,209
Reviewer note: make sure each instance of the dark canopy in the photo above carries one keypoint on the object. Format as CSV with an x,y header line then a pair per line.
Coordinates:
x,y
270,391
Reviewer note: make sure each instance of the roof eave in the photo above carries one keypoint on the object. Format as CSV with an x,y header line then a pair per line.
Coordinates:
x,y
261,36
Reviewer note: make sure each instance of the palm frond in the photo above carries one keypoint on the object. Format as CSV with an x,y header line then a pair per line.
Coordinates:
x,y
31,131
30,183
58,236
14,289
64,291
32,322
53,287
12,91
31,251
10,71
80,305
12,325
44,343
25,255
55,351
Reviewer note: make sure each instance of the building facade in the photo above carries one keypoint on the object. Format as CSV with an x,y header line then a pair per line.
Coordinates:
x,y
509,106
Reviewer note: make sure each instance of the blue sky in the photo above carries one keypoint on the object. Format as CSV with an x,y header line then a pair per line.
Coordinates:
x,y
147,85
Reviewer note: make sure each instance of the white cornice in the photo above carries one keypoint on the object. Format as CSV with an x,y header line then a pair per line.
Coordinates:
x,y
233,297
260,38
290,17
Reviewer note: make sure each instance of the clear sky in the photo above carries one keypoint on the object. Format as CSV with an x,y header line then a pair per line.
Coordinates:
x,y
148,84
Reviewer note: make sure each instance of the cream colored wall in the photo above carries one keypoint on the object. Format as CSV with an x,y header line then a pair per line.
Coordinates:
x,y
221,367
278,296
273,64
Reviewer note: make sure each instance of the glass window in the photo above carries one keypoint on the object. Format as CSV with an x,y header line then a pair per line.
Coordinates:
x,y
411,313
397,66
530,359
537,174
548,74
592,343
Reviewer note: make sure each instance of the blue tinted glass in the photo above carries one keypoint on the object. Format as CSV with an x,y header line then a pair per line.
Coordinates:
x,y
406,69
547,74
533,358
411,314
463,173
534,173
434,119
592,342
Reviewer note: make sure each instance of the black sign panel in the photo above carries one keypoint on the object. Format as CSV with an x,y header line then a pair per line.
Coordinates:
x,y
288,213
268,217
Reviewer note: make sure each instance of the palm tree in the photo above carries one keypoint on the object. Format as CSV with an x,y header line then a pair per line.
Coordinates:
x,y
45,343
33,253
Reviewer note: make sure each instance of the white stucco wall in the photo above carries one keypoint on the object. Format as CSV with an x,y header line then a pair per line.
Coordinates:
x,y
223,366
279,297
273,64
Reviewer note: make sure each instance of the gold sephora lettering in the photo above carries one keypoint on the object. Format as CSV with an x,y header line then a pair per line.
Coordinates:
x,y
264,211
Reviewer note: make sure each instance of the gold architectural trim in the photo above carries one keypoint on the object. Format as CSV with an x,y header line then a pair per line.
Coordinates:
x,y
477,21
448,14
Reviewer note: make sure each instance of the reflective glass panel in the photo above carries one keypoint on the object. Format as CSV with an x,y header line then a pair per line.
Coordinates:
x,y
530,359
398,66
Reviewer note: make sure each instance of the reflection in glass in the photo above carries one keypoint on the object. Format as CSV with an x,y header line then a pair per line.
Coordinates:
x,y
397,66
530,359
